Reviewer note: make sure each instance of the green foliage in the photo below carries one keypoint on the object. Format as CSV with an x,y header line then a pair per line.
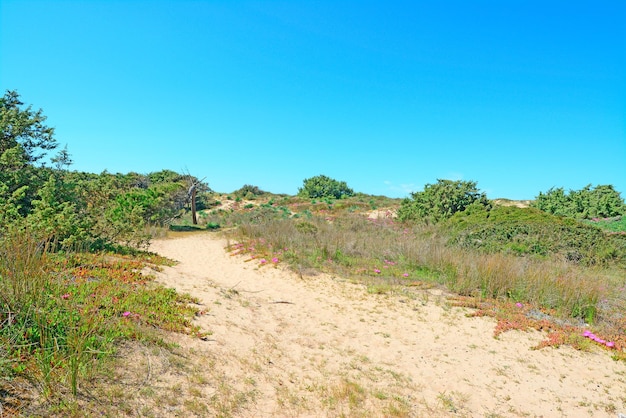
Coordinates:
x,y
92,210
56,215
322,186
615,224
24,140
602,201
73,208
529,231
62,312
441,200
249,192
22,132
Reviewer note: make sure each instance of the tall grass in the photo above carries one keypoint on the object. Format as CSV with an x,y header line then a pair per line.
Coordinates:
x,y
357,247
24,284
22,270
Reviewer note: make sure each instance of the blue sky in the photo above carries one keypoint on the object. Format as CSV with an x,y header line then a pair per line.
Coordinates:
x,y
517,95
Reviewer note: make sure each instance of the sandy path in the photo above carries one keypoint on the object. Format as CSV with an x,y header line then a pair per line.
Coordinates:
x,y
321,346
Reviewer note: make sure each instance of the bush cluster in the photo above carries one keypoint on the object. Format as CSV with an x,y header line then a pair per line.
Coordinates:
x,y
71,208
322,186
529,231
602,201
250,192
441,200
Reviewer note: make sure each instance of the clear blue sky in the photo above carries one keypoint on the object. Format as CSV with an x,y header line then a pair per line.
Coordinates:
x,y
518,95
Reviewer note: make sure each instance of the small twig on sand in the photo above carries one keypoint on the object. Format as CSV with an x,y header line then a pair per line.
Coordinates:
x,y
247,291
283,301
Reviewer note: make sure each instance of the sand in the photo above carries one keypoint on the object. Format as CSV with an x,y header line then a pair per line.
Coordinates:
x,y
291,345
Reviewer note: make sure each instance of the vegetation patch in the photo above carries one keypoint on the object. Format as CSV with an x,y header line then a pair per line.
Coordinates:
x,y
529,231
63,313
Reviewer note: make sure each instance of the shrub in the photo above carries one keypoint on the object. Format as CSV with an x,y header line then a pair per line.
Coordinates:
x,y
248,191
529,231
322,186
602,201
441,200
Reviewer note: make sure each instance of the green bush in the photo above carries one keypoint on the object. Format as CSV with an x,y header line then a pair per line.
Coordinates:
x,y
441,200
322,186
529,231
249,192
602,201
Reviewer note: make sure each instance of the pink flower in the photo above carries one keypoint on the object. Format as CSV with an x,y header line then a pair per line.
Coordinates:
x,y
126,314
65,296
586,333
377,271
262,261
519,305
610,344
405,275
275,260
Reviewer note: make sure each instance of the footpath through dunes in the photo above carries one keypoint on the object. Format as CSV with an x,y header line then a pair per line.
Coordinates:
x,y
283,345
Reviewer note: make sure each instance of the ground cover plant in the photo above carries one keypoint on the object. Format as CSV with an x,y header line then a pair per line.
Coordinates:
x,y
62,315
615,225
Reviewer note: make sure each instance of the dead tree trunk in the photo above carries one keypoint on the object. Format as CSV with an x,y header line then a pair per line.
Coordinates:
x,y
193,206
191,194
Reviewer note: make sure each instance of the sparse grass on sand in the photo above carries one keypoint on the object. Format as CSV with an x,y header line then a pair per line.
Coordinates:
x,y
556,294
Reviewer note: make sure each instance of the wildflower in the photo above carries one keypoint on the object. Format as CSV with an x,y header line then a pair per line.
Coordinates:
x,y
519,305
377,271
610,344
587,333
262,261
65,296
126,314
405,275
275,260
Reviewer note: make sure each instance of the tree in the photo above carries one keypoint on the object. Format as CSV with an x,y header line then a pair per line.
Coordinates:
x,y
441,200
323,186
56,214
23,132
24,141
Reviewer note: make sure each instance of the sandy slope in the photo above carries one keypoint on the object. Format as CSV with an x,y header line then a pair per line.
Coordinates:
x,y
286,345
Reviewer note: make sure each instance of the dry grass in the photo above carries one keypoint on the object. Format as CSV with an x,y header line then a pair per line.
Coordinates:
x,y
384,254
